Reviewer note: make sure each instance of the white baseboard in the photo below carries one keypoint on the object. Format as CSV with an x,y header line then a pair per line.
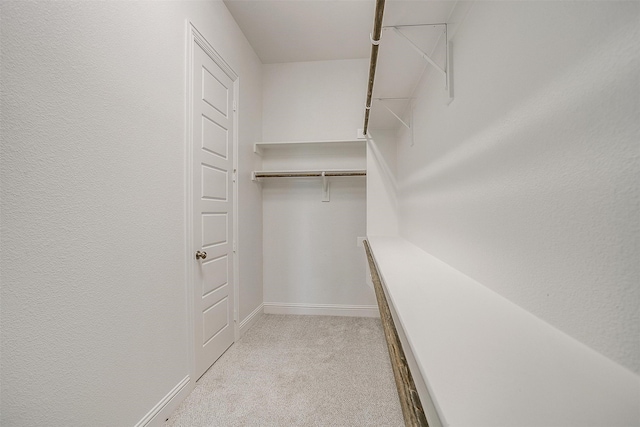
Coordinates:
x,y
322,309
251,319
156,417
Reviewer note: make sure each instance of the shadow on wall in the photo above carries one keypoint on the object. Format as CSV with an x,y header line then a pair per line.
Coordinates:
x,y
577,87
541,203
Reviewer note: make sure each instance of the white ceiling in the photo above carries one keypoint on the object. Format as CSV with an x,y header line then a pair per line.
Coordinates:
x,y
305,30
317,30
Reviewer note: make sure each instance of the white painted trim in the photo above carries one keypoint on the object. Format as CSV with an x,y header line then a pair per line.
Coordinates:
x,y
321,309
251,319
188,200
156,417
236,211
213,54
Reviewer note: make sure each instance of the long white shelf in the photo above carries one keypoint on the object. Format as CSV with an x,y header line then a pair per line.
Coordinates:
x,y
481,360
260,147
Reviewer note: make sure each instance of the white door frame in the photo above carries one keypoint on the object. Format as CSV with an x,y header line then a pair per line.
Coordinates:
x,y
194,36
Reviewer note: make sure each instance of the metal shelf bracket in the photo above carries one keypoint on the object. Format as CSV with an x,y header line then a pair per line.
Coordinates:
x,y
444,71
405,124
382,101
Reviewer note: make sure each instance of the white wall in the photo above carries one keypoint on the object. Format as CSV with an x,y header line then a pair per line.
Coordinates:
x,y
382,185
94,320
321,100
528,181
311,256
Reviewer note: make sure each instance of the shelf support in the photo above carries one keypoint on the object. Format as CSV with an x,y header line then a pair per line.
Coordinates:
x,y
408,126
420,51
444,71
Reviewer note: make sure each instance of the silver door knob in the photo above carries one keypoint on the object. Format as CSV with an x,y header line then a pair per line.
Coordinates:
x,y
201,255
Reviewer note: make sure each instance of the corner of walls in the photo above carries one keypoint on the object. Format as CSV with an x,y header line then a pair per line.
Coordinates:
x,y
382,186
312,263
251,319
250,256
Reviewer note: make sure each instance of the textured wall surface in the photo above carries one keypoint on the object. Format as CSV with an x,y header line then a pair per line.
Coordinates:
x,y
528,181
94,321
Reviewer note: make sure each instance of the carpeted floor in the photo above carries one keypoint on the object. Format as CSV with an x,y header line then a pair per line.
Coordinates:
x,y
298,371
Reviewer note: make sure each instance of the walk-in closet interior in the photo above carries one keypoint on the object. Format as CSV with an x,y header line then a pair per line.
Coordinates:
x,y
320,212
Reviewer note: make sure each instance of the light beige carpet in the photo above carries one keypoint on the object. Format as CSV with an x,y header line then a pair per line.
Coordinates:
x,y
298,371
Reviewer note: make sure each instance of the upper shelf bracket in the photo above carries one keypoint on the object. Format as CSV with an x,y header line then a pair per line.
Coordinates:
x,y
409,125
444,71
382,101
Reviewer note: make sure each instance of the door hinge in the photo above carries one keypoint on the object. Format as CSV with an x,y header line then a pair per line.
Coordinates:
x,y
234,177
235,247
235,105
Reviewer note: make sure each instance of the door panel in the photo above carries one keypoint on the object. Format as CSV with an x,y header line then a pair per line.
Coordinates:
x,y
214,183
214,229
213,137
212,165
214,274
215,91
215,319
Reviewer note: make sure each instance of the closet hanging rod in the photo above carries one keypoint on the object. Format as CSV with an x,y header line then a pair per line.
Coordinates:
x,y
307,174
375,41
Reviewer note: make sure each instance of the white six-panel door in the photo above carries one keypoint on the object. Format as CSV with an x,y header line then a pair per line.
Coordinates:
x,y
212,165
